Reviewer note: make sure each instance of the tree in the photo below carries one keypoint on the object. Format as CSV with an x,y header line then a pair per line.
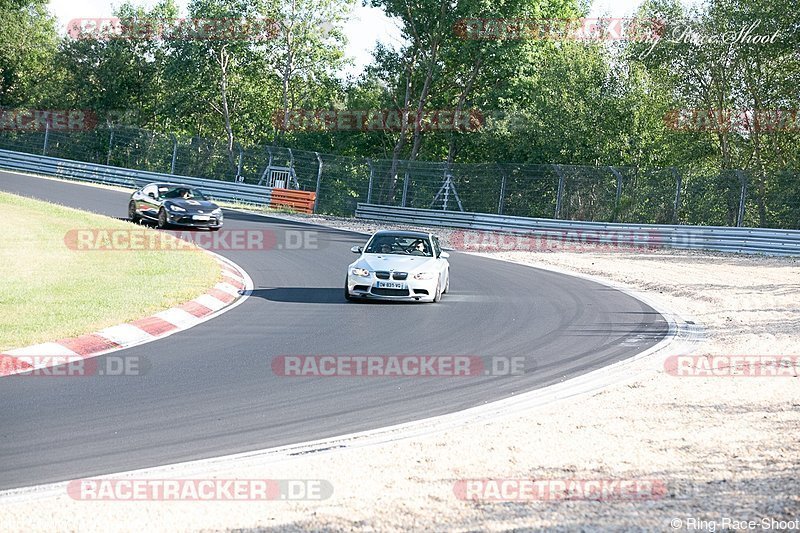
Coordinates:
x,y
308,49
28,42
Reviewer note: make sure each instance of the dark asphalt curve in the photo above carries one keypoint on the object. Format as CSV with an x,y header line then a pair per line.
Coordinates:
x,y
211,391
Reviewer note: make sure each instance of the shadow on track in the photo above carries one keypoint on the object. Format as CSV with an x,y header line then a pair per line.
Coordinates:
x,y
316,295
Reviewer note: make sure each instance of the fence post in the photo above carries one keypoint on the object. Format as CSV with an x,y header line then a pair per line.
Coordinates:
x,y
291,169
560,193
110,144
677,205
174,153
618,194
239,178
319,181
447,182
405,189
371,176
742,197
501,202
46,137
267,168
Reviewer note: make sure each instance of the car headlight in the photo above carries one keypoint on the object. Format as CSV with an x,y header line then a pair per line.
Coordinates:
x,y
217,212
177,208
424,275
362,272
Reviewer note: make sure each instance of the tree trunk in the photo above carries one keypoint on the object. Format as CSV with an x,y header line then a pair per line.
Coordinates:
x,y
462,98
398,147
223,60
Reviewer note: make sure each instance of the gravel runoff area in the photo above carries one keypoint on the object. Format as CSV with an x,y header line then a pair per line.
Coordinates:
x,y
723,449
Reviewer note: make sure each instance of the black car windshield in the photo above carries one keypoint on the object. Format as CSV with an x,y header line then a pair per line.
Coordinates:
x,y
180,192
399,244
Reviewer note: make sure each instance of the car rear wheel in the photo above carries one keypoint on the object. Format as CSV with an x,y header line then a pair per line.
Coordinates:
x,y
162,218
347,295
133,216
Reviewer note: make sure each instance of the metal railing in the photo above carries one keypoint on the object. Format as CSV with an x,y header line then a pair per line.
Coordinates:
x,y
698,195
123,177
717,238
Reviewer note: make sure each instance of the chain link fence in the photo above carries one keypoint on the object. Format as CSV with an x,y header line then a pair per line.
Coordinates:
x,y
569,192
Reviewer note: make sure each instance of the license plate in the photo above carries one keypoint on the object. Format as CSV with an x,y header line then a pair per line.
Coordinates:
x,y
201,217
390,285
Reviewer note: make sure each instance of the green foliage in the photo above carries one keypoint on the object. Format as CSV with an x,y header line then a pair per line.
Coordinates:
x,y
27,44
545,102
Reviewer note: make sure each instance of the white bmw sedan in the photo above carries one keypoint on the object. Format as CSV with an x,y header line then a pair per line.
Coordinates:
x,y
399,265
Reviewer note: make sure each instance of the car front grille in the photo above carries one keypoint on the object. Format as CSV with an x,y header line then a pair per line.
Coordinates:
x,y
389,292
382,274
189,220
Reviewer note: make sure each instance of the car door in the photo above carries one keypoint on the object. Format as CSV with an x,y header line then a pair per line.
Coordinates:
x,y
441,264
148,206
138,202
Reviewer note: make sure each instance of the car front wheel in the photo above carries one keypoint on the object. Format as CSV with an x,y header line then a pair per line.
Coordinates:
x,y
437,297
347,295
162,218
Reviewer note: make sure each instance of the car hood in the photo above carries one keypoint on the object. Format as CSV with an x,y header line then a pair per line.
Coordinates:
x,y
192,205
401,263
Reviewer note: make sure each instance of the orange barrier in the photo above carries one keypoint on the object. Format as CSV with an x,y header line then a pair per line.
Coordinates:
x,y
301,201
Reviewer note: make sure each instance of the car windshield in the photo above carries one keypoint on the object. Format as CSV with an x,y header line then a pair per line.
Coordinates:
x,y
399,244
180,192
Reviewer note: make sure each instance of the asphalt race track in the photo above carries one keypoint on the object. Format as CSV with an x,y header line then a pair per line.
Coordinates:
x,y
210,390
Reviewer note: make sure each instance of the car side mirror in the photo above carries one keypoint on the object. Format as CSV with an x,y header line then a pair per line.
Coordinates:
x,y
444,255
356,249
152,195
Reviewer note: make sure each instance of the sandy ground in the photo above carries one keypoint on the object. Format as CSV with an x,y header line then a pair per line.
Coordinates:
x,y
724,449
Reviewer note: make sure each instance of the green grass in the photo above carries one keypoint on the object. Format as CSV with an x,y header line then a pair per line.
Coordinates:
x,y
49,291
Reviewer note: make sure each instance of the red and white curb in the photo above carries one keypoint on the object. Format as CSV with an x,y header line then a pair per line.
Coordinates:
x,y
234,289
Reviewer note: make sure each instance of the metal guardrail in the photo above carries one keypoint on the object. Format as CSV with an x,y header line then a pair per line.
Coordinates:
x,y
124,177
725,239
717,238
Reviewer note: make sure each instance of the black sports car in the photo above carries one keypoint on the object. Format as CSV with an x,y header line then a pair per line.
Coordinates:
x,y
170,204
